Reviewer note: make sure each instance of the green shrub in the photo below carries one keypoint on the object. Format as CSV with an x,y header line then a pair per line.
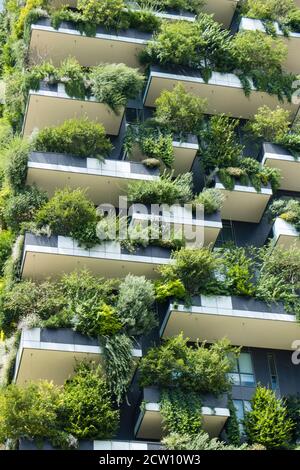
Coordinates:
x,y
279,277
23,206
17,158
269,125
15,99
31,412
88,405
219,146
238,270
274,10
181,412
107,12
211,199
180,111
165,290
135,305
164,190
70,213
30,299
197,442
200,369
202,45
195,268
286,209
114,84
268,423
78,137
6,241
95,320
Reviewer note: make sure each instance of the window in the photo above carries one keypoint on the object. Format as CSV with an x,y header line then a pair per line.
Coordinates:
x,y
227,233
241,408
273,371
242,373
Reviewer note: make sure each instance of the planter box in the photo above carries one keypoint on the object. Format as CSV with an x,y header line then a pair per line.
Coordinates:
x,y
285,234
52,354
51,106
106,181
244,203
224,92
244,321
149,422
197,232
53,256
276,156
113,445
106,47
291,64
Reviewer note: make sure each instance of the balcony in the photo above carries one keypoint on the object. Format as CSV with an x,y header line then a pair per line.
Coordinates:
x,y
96,445
51,106
224,92
244,203
185,152
67,41
292,42
285,234
276,156
52,354
149,422
198,232
45,257
244,321
106,181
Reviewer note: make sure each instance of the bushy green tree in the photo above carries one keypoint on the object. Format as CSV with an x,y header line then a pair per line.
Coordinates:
x,y
180,111
268,423
107,12
17,159
201,441
22,206
88,406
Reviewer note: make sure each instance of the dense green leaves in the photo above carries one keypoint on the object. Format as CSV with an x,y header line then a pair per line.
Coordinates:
x,y
181,412
268,423
200,369
78,137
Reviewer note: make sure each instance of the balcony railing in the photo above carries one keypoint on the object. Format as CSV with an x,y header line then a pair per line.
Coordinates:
x,y
45,257
52,354
51,106
106,181
277,156
291,64
244,321
224,92
149,421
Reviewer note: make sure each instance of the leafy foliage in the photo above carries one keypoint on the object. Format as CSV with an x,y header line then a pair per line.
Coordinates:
x,y
118,364
198,442
293,411
78,137
211,199
200,369
23,206
70,213
269,125
267,423
288,210
169,289
195,268
6,240
180,111
232,425
181,412
135,305
165,190
17,158
114,84
88,405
